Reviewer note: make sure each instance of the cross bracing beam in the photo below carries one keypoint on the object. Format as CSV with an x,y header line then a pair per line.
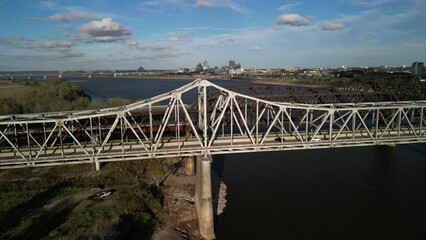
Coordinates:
x,y
167,126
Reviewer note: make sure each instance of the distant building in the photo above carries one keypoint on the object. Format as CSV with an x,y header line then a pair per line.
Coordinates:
x,y
231,64
253,68
237,71
198,68
205,65
417,69
141,69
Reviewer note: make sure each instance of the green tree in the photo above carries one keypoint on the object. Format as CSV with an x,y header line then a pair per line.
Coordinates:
x,y
10,106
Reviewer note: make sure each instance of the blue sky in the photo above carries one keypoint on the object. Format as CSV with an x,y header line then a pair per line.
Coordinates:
x,y
169,34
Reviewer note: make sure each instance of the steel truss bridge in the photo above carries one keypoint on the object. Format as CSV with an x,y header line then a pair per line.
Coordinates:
x,y
216,121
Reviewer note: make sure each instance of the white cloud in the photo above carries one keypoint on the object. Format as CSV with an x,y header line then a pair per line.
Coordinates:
x,y
72,55
14,39
257,49
375,3
61,49
293,20
179,37
105,30
217,41
204,4
151,3
52,45
18,41
287,7
331,26
67,17
49,4
130,43
230,4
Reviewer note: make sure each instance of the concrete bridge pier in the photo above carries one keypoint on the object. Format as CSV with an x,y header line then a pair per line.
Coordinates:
x,y
203,197
189,164
97,164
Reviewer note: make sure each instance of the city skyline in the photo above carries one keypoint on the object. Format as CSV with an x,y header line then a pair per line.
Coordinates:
x,y
171,34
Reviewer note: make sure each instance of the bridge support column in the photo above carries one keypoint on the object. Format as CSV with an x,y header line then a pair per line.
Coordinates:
x,y
189,166
203,197
97,164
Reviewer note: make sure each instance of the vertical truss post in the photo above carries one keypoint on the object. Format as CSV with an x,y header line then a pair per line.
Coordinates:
x,y
377,123
353,123
307,125
257,122
92,137
282,125
245,110
151,130
232,121
399,120
205,116
92,140
121,115
61,125
421,121
28,141
202,111
100,130
177,114
331,112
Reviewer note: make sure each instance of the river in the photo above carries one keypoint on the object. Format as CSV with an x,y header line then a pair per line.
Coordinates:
x,y
345,193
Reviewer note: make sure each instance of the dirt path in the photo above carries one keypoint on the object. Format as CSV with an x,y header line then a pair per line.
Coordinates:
x,y
181,221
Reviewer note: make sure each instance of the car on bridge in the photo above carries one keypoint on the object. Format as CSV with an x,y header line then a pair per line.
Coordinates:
x,y
314,139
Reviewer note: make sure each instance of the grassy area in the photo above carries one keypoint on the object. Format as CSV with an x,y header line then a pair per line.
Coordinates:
x,y
57,203
9,89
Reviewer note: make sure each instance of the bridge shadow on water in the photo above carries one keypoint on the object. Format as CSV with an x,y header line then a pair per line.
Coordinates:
x,y
217,174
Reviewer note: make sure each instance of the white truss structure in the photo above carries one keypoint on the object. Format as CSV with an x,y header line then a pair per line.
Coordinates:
x,y
228,122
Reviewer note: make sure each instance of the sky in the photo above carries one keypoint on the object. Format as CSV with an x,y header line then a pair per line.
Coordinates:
x,y
171,34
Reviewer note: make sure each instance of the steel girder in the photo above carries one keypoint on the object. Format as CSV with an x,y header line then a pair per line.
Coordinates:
x,y
230,122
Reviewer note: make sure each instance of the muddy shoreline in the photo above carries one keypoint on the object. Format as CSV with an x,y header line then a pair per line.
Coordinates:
x,y
181,220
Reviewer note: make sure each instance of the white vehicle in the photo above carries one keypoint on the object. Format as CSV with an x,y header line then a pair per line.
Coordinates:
x,y
314,139
104,194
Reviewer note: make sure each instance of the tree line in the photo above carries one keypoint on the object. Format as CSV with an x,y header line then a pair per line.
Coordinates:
x,y
53,95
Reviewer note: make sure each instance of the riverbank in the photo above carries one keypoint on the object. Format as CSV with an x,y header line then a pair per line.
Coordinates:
x,y
60,202
252,80
181,221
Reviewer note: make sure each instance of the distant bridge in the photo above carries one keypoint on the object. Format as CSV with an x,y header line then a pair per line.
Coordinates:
x,y
221,121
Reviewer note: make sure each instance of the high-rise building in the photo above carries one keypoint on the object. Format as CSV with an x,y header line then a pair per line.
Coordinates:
x,y
417,69
205,65
198,68
231,64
